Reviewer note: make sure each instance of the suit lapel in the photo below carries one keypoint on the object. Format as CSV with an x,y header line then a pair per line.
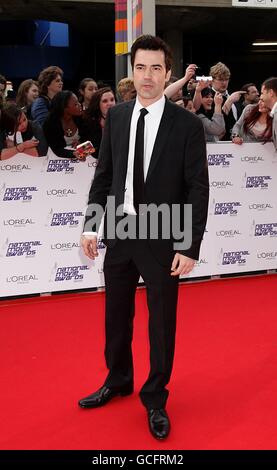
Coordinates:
x,y
125,135
162,135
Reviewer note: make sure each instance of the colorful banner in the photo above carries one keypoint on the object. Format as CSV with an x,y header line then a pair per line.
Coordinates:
x,y
136,19
43,202
121,27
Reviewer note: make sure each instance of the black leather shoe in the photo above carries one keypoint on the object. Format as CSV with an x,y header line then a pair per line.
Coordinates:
x,y
103,396
159,423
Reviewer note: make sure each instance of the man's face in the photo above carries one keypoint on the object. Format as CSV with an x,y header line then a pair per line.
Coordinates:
x,y
268,97
252,95
150,75
220,84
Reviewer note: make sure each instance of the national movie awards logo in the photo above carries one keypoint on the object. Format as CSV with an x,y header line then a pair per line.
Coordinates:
x,y
29,249
63,219
66,166
265,230
232,257
220,159
255,182
15,168
23,193
225,208
68,273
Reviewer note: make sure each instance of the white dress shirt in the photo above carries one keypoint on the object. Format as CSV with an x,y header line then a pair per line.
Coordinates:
x,y
152,121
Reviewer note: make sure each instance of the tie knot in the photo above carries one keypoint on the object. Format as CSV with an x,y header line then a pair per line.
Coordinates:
x,y
143,112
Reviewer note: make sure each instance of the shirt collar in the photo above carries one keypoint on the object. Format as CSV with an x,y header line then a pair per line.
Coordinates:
x,y
155,109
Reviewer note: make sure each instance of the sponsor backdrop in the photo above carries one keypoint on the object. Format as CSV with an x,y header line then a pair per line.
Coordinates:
x,y
43,202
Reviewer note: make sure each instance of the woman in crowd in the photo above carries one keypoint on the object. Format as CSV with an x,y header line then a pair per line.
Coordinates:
x,y
27,93
50,82
19,135
213,121
64,127
96,113
254,125
187,103
87,88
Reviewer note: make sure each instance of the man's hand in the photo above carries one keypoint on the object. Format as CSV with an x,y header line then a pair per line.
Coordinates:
x,y
89,246
181,265
190,72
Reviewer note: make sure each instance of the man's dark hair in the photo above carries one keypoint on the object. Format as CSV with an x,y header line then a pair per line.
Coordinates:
x,y
152,43
247,86
271,84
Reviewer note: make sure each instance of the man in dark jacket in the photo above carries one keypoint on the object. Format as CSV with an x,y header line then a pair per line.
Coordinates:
x,y
153,152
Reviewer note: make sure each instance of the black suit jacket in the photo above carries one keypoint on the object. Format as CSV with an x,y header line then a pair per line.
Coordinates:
x,y
177,174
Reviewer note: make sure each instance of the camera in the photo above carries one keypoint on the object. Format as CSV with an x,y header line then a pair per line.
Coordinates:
x,y
206,79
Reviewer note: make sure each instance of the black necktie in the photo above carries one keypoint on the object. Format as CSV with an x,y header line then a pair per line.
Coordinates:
x,y
138,183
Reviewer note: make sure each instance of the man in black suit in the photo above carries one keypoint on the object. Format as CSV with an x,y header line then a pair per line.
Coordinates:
x,y
152,152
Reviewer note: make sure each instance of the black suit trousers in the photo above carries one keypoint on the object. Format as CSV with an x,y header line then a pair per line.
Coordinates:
x,y
124,263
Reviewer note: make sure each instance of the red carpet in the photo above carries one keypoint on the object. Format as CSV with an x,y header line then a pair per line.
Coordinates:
x,y
223,388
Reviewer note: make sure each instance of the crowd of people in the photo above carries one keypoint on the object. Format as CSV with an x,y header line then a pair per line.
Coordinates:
x,y
42,114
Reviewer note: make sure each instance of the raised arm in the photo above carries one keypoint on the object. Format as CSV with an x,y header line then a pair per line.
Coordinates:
x,y
176,86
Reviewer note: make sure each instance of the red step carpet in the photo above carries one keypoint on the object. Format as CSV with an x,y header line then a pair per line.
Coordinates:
x,y
223,388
